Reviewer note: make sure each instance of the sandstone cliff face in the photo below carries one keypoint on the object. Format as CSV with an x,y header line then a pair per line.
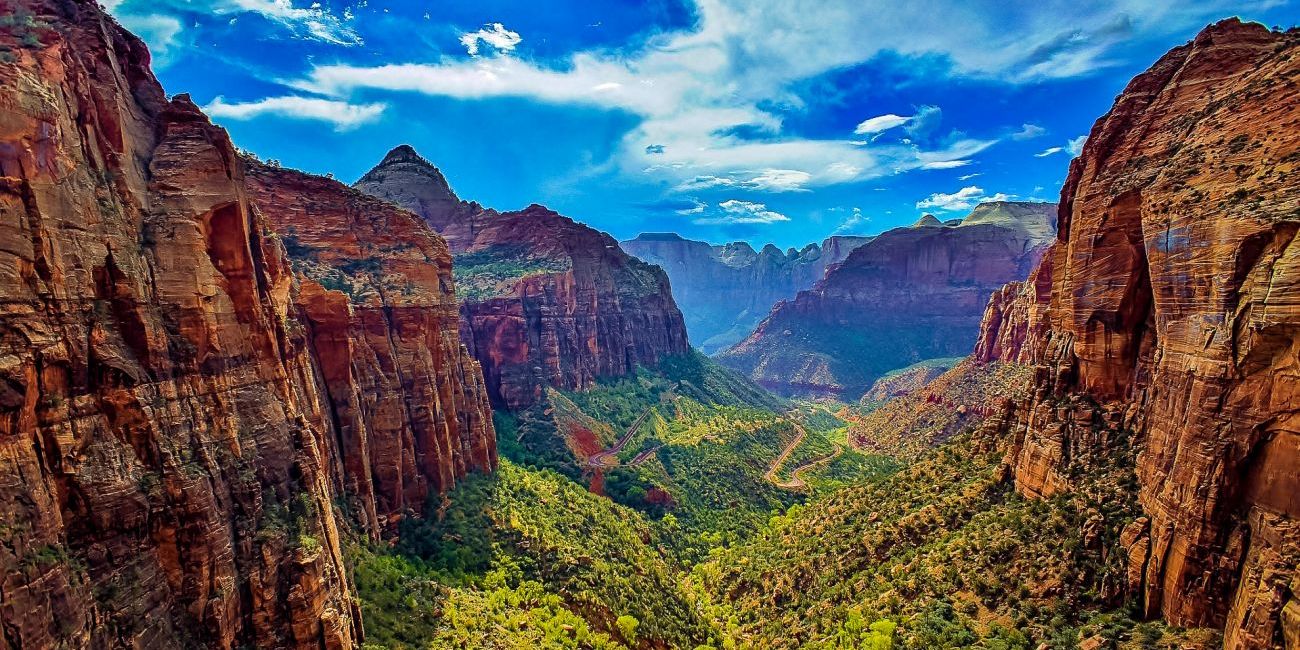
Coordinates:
x,y
408,400
545,301
169,456
727,290
1172,302
910,294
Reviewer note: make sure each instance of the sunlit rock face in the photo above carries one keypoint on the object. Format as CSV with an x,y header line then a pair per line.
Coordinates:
x,y
725,291
1172,300
184,409
910,294
544,300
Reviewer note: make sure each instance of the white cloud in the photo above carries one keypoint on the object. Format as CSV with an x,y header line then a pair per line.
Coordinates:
x,y
693,91
157,30
945,164
695,209
313,22
1075,145
735,211
342,115
880,123
780,180
967,177
964,199
495,35
1049,151
1028,132
852,224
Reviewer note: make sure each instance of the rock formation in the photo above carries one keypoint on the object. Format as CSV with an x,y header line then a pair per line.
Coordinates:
x,y
1168,313
910,294
545,301
727,290
176,427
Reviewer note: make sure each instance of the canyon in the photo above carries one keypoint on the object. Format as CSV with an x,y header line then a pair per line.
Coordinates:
x,y
726,290
545,301
910,294
246,406
1166,316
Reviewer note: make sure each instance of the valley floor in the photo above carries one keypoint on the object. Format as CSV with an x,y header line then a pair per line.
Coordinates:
x,y
728,520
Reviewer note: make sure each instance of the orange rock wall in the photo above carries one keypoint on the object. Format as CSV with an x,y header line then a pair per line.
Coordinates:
x,y
1172,299
172,439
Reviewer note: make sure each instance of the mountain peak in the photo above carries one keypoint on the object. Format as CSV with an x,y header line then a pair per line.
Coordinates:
x,y
927,221
403,153
410,180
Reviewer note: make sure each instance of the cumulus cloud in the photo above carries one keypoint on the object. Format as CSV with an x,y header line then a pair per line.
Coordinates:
x,y
342,115
735,211
494,35
963,199
1028,132
1075,145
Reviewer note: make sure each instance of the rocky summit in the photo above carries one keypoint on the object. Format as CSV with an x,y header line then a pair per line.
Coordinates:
x,y
909,295
545,301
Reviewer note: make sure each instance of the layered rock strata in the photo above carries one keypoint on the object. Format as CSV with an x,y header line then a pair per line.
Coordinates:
x,y
1168,314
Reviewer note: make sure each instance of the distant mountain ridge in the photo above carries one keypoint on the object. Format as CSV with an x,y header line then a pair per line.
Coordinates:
x,y
725,290
911,294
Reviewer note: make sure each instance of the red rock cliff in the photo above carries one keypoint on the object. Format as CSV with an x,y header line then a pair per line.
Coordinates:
x,y
407,399
545,301
1172,299
172,445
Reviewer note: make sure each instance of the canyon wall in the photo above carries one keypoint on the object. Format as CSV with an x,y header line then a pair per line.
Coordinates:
x,y
176,430
545,301
725,291
1168,313
910,294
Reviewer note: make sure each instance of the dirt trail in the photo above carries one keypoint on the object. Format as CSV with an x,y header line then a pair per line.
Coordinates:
x,y
608,458
785,454
796,481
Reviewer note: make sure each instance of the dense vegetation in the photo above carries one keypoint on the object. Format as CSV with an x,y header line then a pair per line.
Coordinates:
x,y
683,542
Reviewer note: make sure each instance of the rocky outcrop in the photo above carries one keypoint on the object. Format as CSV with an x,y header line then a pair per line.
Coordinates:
x,y
545,301
1168,313
911,294
727,290
408,400
172,452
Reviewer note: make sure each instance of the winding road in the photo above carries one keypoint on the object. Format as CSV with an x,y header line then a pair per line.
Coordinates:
x,y
796,481
608,458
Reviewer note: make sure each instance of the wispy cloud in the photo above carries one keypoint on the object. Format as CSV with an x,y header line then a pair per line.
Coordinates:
x,y
1049,151
963,199
853,224
341,114
880,123
158,30
1075,145
1028,132
494,35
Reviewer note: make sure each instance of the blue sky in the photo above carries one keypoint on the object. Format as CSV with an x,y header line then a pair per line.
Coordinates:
x,y
759,120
